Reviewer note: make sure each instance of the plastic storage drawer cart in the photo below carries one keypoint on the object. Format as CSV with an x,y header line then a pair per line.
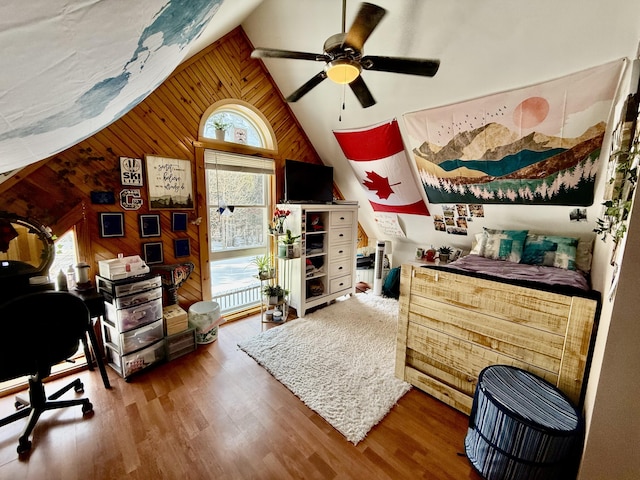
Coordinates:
x,y
522,428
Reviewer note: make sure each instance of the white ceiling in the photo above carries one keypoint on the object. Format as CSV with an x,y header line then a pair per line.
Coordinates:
x,y
484,47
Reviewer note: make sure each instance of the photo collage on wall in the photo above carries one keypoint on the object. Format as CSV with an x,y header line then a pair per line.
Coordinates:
x,y
455,219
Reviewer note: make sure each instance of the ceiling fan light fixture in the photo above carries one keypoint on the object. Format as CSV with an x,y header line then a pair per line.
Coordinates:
x,y
343,71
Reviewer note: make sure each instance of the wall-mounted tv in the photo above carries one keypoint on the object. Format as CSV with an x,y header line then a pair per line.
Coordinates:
x,y
307,182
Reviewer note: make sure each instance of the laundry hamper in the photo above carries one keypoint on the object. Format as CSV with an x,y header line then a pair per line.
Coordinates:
x,y
522,428
205,317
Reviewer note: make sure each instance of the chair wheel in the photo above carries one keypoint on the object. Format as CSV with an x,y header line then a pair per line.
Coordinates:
x,y
79,388
24,445
87,407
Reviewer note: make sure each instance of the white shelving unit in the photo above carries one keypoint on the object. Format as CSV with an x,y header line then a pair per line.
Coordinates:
x,y
326,267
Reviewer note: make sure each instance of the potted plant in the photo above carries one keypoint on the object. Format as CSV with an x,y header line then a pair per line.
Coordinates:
x,y
275,293
221,125
265,266
286,248
443,253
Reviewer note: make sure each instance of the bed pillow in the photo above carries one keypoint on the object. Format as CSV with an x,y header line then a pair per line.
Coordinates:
x,y
503,244
550,251
477,244
584,254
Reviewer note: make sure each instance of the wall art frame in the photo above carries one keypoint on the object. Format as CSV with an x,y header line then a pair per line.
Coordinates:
x,y
182,247
179,221
149,225
152,252
111,224
169,183
131,172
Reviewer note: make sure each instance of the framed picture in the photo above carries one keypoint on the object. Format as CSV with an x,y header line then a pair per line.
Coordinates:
x,y
131,171
111,224
179,221
102,198
169,183
152,252
181,247
149,225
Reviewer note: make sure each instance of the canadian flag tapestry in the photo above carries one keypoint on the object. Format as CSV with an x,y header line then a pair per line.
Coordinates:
x,y
378,159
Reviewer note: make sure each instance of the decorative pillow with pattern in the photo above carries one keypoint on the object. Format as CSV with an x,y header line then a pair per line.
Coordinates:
x,y
503,244
550,251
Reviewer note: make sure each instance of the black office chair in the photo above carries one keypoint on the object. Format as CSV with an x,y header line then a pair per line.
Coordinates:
x,y
37,331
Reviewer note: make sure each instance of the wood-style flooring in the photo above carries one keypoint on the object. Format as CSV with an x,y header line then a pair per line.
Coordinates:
x,y
216,414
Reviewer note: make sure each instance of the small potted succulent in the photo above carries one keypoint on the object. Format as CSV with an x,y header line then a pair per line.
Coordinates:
x,y
443,253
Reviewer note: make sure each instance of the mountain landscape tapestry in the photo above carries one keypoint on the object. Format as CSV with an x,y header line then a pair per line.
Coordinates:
x,y
380,163
535,145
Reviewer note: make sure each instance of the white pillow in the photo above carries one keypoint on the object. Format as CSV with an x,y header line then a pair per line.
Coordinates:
x,y
477,244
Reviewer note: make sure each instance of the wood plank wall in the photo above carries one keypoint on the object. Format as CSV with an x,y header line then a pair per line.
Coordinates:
x,y
57,191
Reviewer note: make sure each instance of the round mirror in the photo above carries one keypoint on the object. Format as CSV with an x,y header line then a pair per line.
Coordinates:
x,y
26,246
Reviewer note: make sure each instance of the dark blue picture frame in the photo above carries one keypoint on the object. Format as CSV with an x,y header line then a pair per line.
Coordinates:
x,y
182,247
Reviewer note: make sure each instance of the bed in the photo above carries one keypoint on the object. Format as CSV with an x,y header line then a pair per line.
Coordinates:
x,y
454,320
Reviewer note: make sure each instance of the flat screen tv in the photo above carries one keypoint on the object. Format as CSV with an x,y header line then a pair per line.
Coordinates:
x,y
307,182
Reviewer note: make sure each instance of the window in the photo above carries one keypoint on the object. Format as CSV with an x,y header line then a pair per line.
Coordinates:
x,y
65,254
243,124
238,200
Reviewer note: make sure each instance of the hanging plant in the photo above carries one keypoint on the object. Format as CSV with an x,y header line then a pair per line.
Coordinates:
x,y
623,177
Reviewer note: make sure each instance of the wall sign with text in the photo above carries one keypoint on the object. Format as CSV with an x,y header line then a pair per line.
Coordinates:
x,y
131,171
169,183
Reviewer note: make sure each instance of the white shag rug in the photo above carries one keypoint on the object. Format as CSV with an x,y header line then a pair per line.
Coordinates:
x,y
339,360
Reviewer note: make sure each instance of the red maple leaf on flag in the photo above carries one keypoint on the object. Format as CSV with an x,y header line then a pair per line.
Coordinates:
x,y
379,184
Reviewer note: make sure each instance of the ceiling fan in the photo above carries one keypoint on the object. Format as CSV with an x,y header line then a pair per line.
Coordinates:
x,y
344,60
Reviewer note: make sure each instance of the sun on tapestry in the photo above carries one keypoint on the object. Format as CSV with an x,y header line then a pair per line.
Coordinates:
x,y
535,145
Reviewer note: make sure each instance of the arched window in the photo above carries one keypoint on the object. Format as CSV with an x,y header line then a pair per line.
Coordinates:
x,y
235,121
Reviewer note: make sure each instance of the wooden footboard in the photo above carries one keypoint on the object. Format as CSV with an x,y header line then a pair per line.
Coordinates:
x,y
451,326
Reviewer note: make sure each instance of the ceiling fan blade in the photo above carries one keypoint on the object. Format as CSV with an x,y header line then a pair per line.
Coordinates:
x,y
365,22
362,92
275,53
410,66
306,88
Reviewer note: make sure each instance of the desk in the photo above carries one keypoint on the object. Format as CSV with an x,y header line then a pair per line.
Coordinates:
x,y
95,303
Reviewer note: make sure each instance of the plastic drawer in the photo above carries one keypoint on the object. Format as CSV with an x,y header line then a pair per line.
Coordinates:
x,y
180,344
118,288
133,339
136,316
127,365
137,298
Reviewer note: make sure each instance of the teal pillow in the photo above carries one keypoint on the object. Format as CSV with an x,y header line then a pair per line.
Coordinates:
x,y
503,244
550,251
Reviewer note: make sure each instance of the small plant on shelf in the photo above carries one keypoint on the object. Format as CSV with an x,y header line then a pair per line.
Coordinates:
x,y
265,266
275,293
286,247
289,239
444,252
221,122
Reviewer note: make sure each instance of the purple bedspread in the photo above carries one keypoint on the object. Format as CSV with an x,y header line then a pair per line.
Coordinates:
x,y
550,276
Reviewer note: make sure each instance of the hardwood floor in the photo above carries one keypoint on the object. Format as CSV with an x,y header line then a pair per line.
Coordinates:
x,y
216,414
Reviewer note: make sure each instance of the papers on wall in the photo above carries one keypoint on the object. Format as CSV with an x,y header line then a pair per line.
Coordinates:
x,y
388,224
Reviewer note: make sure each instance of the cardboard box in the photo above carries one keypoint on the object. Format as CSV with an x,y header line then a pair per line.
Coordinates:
x,y
175,319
